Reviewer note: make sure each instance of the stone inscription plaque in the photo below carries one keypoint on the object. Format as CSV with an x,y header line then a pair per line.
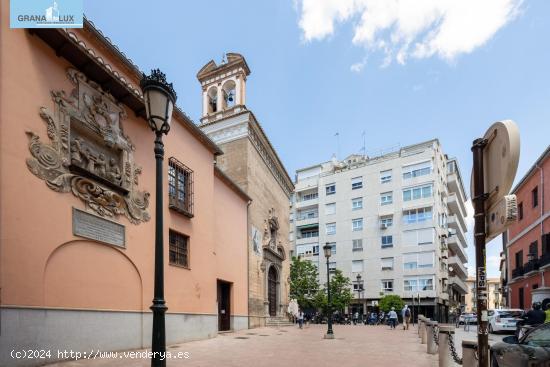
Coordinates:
x,y
96,228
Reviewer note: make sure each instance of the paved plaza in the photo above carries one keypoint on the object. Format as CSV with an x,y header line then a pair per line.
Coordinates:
x,y
289,346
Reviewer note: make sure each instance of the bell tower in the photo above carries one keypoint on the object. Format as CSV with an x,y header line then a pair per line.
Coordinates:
x,y
223,87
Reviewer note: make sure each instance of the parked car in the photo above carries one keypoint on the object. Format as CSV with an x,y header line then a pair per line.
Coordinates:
x,y
470,317
503,320
532,349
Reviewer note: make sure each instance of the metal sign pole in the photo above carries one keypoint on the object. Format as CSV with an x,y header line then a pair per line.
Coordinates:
x,y
478,200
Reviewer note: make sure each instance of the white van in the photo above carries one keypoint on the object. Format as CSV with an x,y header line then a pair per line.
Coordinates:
x,y
503,319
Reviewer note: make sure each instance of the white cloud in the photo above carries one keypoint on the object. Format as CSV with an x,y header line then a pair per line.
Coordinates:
x,y
358,66
402,29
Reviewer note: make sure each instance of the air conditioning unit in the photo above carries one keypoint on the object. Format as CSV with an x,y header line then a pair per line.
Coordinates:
x,y
501,215
383,226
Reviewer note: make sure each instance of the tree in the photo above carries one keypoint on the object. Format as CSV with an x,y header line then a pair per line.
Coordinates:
x,y
304,284
340,293
389,301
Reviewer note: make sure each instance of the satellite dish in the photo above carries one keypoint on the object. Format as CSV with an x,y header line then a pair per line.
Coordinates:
x,y
500,160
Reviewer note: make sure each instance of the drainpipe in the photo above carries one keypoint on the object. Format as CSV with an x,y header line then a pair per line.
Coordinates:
x,y
541,211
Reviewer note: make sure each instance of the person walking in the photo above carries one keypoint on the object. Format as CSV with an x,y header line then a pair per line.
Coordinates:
x,y
392,315
406,314
547,312
301,318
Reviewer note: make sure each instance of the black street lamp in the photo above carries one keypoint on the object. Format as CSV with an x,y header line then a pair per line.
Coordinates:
x,y
327,248
159,98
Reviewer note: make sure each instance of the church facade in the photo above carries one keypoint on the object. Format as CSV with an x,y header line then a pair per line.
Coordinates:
x,y
250,160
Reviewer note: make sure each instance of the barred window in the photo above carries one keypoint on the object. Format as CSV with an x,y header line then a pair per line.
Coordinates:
x,y
179,249
180,187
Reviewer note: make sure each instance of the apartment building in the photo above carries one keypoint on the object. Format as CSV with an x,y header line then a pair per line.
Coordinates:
x,y
494,295
396,220
528,239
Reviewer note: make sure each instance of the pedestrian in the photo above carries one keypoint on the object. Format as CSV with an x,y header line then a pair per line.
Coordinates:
x,y
547,312
392,315
301,318
406,314
355,318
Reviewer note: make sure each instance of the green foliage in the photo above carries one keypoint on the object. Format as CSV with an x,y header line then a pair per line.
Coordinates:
x,y
341,293
389,301
304,285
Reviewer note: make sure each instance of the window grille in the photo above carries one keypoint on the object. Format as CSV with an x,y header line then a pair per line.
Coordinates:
x,y
180,187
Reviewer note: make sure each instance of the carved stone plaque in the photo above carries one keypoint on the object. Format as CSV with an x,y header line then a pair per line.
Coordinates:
x,y
96,228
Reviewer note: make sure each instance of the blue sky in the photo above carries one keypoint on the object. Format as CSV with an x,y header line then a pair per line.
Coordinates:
x,y
326,66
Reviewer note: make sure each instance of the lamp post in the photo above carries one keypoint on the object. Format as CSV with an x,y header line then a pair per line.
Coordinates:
x,y
327,248
359,289
159,98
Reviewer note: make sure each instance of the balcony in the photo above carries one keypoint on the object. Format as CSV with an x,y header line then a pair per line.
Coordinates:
x,y
458,267
307,221
458,284
307,203
531,267
454,183
456,205
517,272
544,261
456,222
456,247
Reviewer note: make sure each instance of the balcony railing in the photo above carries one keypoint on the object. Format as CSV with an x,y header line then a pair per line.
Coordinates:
x,y
544,259
530,266
518,272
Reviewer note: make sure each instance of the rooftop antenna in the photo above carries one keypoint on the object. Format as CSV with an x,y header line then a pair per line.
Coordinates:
x,y
364,149
337,145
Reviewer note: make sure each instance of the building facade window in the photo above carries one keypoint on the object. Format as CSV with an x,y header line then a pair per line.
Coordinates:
x,y
387,263
386,221
415,284
332,266
180,187
310,249
332,247
357,203
417,170
418,260
178,249
356,183
307,214
330,228
330,189
310,196
535,196
357,224
309,233
386,241
418,192
417,215
357,266
330,208
418,237
520,211
386,285
385,176
357,245
386,198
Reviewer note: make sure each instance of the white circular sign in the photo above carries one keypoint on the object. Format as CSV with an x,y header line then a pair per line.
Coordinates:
x,y
500,160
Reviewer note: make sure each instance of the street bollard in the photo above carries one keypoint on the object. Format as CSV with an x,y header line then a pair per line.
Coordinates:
x,y
431,347
420,317
445,358
423,335
469,353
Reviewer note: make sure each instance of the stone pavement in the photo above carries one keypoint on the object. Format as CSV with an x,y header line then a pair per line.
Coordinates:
x,y
354,345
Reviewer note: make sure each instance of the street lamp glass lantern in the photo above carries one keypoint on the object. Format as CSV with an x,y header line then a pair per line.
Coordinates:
x,y
358,278
328,250
159,98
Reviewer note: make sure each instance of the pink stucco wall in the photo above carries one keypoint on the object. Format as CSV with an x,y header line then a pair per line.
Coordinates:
x,y
42,264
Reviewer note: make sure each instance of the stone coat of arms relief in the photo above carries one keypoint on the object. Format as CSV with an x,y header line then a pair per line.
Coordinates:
x,y
88,153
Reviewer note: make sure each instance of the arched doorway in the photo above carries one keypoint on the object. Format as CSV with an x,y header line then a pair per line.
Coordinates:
x,y
272,280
